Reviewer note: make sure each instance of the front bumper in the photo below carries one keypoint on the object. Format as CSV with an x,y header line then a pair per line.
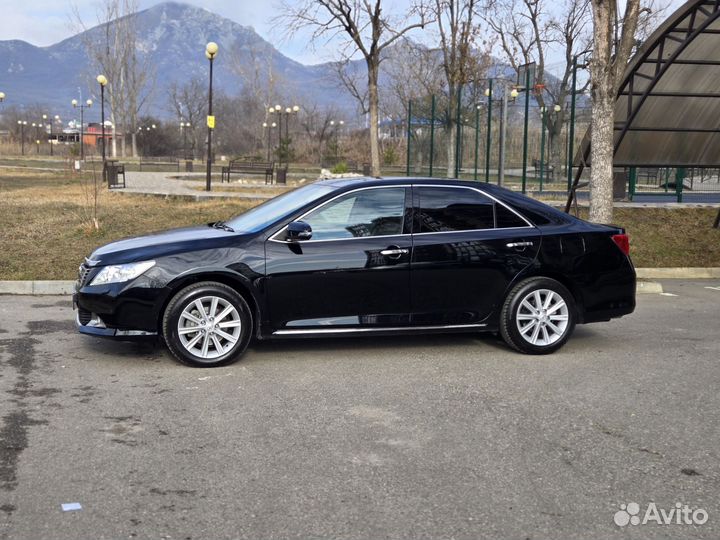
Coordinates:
x,y
121,310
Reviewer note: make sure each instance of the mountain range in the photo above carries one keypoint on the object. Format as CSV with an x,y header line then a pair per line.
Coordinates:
x,y
173,35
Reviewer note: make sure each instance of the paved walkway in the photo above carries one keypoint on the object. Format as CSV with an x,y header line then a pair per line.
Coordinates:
x,y
168,184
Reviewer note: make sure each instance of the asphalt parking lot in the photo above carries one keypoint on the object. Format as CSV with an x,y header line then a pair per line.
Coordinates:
x,y
422,437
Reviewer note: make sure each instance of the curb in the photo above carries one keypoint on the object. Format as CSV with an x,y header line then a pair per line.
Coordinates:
x,y
37,287
678,273
648,287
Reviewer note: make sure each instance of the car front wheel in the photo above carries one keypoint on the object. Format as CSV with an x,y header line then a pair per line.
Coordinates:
x,y
538,316
207,324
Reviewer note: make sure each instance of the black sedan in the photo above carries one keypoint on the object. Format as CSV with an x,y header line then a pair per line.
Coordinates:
x,y
362,256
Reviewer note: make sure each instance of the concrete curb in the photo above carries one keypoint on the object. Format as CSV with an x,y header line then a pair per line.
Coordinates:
x,y
648,287
678,273
37,287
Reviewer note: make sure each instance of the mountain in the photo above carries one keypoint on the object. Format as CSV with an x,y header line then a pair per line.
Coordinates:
x,y
173,36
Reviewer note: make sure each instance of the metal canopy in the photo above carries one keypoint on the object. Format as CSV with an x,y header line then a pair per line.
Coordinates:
x,y
667,112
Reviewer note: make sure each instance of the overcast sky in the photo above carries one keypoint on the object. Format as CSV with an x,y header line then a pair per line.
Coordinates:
x,y
44,22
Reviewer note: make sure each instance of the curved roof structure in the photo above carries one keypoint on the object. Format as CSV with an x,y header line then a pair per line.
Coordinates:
x,y
667,111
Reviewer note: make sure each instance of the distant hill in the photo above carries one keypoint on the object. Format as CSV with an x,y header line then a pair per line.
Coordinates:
x,y
174,36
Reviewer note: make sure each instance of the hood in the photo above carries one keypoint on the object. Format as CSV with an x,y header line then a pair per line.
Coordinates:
x,y
161,244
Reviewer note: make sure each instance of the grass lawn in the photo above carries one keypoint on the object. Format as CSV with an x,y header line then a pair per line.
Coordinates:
x,y
46,229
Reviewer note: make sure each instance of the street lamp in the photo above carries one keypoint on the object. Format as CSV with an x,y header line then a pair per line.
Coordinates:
x,y
211,50
55,120
268,127
2,97
183,129
82,108
102,81
22,124
277,109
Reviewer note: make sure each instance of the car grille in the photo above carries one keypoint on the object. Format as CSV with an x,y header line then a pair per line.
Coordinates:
x,y
83,273
84,316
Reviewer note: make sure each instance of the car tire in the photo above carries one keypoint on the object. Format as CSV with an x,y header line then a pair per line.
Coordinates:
x,y
538,316
216,336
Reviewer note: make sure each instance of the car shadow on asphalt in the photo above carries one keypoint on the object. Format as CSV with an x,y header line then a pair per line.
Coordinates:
x,y
154,349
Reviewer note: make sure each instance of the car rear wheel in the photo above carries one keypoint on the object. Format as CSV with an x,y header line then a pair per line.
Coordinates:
x,y
207,324
538,316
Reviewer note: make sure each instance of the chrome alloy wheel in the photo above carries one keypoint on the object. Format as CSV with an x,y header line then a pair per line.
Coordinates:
x,y
209,327
542,317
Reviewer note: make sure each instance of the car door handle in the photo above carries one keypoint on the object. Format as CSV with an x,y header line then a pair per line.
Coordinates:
x,y
518,244
393,252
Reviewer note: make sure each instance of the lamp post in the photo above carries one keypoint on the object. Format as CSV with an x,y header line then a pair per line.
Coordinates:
x,y
55,120
102,81
571,135
22,124
82,108
184,126
268,127
211,50
278,110
2,97
36,135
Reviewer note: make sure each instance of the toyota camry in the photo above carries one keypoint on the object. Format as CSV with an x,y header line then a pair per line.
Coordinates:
x,y
361,257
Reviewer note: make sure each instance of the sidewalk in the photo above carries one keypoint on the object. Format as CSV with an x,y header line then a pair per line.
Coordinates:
x,y
173,185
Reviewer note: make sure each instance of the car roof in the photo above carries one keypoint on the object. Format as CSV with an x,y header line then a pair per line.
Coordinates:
x,y
517,200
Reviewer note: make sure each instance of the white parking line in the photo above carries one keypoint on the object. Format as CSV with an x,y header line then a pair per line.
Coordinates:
x,y
713,288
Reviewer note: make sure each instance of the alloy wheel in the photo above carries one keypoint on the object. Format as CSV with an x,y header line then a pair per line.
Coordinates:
x,y
209,327
542,317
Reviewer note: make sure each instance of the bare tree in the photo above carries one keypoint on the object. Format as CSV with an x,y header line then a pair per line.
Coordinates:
x,y
188,103
526,31
367,30
113,50
457,31
613,42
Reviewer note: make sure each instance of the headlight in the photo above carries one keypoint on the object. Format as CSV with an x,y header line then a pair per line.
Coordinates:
x,y
120,273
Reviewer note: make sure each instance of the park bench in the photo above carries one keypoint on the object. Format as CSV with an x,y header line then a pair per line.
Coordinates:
x,y
241,166
548,170
159,163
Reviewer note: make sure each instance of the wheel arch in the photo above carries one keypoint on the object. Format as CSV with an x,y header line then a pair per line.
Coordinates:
x,y
566,281
238,282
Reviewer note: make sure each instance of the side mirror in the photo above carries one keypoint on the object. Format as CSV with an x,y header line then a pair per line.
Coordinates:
x,y
298,231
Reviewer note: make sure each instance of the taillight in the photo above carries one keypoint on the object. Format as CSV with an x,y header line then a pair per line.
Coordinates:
x,y
623,242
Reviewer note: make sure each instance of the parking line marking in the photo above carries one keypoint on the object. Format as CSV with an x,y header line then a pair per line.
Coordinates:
x,y
713,288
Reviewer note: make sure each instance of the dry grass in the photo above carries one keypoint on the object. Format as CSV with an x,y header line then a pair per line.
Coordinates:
x,y
45,232
669,237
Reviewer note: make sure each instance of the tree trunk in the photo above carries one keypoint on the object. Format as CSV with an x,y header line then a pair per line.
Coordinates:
x,y
374,117
603,113
123,146
451,143
133,139
601,156
555,160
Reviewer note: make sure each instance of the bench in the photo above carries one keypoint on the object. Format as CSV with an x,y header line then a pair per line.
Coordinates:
x,y
160,162
239,166
548,170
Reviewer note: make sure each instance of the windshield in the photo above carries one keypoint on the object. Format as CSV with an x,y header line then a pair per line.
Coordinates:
x,y
269,212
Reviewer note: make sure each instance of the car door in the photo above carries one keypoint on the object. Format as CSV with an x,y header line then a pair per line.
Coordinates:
x,y
467,249
353,272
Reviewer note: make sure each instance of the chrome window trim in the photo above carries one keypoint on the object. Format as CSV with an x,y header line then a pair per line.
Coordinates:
x,y
495,199
498,201
377,329
404,186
